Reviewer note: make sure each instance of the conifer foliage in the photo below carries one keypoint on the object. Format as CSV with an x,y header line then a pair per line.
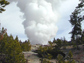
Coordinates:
x,y
3,3
10,50
75,19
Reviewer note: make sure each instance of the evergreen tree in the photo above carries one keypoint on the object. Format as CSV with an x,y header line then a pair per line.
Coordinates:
x,y
16,38
60,59
82,37
29,46
3,3
2,32
75,19
11,49
64,43
26,46
58,44
81,4
70,57
44,61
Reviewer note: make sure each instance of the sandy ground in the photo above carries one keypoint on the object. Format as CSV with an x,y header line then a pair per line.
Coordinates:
x,y
31,57
78,55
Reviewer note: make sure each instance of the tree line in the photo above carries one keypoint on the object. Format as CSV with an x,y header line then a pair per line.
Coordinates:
x,y
55,51
11,49
77,38
77,34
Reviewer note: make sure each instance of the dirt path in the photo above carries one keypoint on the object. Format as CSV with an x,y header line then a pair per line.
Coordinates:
x,y
31,57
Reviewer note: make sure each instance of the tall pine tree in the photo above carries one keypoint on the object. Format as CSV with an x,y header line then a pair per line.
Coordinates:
x,y
75,19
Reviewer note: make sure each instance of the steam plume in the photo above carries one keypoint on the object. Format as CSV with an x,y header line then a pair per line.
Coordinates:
x,y
40,19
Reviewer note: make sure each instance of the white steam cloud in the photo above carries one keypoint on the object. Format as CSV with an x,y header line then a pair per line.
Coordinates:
x,y
40,19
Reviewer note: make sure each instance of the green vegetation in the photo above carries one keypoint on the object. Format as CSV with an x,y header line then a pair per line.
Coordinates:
x,y
3,3
75,19
11,49
82,37
25,46
69,58
44,61
51,51
46,54
60,58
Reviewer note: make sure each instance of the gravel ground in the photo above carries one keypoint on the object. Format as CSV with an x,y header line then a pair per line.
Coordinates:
x,y
31,57
78,55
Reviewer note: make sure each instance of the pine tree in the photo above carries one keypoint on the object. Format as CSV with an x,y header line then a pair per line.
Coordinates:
x,y
44,61
60,58
58,44
26,46
70,57
82,37
3,3
75,19
11,49
2,32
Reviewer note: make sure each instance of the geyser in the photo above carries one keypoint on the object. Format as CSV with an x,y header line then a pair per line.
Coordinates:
x,y
40,19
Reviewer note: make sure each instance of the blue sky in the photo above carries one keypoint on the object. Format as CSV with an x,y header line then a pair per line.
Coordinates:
x,y
12,20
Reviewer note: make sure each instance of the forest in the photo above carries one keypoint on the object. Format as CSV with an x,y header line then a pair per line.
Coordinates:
x,y
11,48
